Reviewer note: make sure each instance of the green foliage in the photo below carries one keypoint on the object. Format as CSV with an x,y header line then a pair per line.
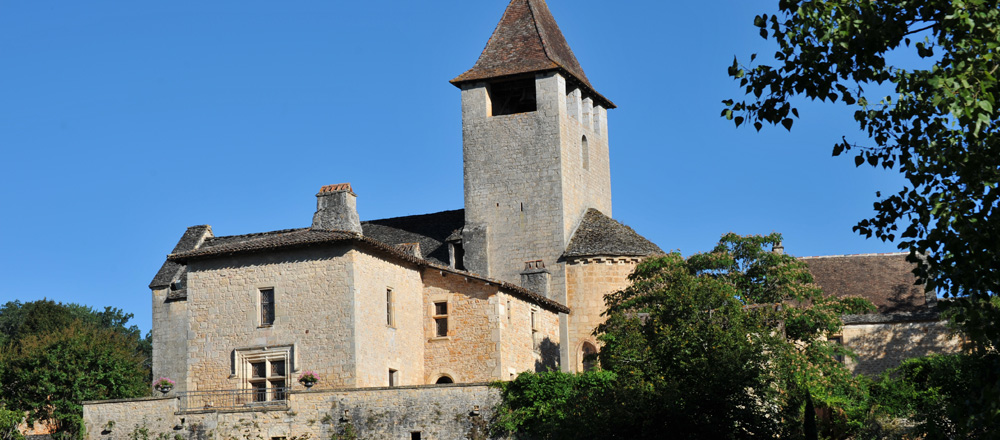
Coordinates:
x,y
726,344
558,405
942,394
8,425
941,130
57,355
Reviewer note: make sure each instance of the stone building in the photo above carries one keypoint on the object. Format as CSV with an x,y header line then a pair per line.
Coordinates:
x,y
405,319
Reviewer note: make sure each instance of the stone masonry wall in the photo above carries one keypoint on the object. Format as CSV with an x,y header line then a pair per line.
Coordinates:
x,y
314,311
884,345
587,281
513,182
525,348
170,335
381,347
330,309
443,412
470,351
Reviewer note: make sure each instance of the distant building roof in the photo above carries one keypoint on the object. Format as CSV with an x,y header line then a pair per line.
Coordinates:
x,y
528,40
887,280
600,235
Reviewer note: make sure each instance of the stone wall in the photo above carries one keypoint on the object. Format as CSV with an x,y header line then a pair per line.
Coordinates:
x,y
587,281
883,345
489,332
436,412
525,348
469,353
170,334
330,316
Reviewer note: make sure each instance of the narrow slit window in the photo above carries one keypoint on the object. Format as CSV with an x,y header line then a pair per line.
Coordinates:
x,y
393,377
390,313
585,153
266,307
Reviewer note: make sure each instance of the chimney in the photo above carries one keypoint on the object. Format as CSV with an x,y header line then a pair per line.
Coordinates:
x,y
337,209
535,277
778,248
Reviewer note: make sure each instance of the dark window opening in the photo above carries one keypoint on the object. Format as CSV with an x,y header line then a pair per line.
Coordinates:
x,y
589,354
512,97
440,319
459,256
414,436
267,307
393,377
444,379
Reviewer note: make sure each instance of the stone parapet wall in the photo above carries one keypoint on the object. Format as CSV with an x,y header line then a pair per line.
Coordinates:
x,y
436,412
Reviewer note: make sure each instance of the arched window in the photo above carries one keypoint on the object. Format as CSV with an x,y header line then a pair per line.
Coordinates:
x,y
587,353
585,153
445,379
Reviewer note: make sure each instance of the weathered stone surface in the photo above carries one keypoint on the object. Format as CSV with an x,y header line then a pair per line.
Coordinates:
x,y
437,412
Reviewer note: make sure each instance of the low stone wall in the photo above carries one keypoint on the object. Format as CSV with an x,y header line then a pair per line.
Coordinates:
x,y
458,411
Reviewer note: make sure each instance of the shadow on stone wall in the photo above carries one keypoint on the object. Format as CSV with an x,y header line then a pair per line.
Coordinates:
x,y
883,346
550,356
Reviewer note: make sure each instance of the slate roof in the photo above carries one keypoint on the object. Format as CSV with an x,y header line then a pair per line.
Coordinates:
x,y
886,280
600,235
430,230
528,40
391,237
170,270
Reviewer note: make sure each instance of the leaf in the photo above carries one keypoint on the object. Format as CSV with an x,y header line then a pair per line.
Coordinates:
x,y
787,122
739,120
858,160
758,125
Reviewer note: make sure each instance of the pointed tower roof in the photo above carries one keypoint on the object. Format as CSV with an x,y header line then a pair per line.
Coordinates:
x,y
528,40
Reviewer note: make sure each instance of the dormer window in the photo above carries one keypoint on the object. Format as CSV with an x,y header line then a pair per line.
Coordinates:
x,y
510,97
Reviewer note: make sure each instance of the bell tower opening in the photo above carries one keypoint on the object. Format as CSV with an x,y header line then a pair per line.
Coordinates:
x,y
514,96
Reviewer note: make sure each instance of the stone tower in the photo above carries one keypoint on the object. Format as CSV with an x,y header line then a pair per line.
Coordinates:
x,y
535,145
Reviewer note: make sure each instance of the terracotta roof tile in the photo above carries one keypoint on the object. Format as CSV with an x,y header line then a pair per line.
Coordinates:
x,y
528,40
336,188
886,280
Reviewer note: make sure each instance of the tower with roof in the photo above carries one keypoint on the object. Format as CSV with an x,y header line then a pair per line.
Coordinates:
x,y
537,167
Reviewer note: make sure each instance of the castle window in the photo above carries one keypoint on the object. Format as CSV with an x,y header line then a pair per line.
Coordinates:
x,y
510,97
393,377
390,305
266,307
585,153
441,319
267,377
444,379
535,342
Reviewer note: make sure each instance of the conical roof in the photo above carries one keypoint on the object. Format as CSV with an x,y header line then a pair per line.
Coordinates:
x,y
528,40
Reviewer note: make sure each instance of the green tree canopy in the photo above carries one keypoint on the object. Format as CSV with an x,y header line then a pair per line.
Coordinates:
x,y
726,344
939,130
54,356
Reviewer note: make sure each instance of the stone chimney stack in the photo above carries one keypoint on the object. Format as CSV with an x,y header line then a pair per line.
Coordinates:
x,y
535,277
337,209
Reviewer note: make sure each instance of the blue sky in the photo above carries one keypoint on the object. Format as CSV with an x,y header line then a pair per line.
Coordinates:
x,y
122,123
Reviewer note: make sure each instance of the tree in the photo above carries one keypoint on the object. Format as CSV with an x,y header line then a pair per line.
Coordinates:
x,y
940,131
53,356
726,344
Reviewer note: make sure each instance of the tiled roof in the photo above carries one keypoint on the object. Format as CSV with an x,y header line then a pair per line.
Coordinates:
x,y
170,271
430,230
436,226
600,235
337,187
886,280
528,40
